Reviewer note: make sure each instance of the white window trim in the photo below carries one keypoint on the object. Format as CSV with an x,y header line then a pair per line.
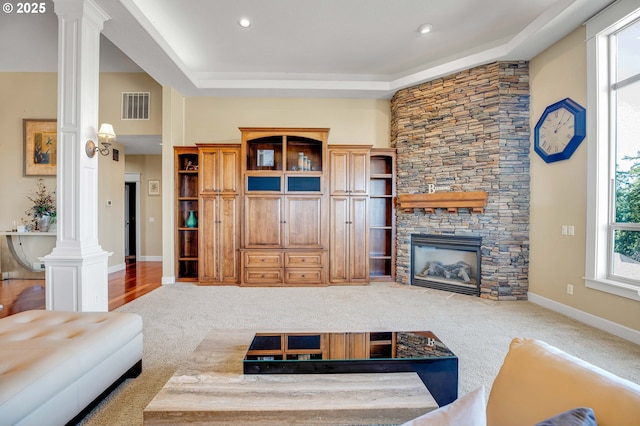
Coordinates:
x,y
598,111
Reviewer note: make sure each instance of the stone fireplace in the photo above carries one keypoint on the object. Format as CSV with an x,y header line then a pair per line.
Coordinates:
x,y
446,262
469,132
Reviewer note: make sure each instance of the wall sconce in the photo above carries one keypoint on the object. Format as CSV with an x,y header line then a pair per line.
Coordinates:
x,y
105,136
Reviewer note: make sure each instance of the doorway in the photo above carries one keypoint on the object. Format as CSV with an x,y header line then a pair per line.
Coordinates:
x,y
130,220
131,215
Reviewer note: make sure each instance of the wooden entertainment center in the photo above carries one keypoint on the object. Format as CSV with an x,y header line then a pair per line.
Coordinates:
x,y
284,208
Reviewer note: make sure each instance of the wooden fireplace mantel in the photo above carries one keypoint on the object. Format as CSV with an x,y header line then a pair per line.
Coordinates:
x,y
452,201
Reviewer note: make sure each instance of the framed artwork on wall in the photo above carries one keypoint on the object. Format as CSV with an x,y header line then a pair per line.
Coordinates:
x,y
154,187
40,147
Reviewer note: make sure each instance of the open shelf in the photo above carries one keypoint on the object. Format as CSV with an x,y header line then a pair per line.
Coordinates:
x,y
382,230
186,198
265,153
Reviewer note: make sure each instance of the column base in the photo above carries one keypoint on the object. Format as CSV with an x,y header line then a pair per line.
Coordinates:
x,y
77,284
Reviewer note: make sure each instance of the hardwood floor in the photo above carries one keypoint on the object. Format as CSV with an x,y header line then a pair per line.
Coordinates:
x,y
139,278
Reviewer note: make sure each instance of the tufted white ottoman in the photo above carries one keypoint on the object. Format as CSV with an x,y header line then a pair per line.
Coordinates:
x,y
55,365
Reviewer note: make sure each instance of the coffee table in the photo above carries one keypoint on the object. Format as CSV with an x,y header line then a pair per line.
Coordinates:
x,y
421,352
212,388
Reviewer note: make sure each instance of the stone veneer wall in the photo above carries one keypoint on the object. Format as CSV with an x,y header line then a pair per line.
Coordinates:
x,y
470,132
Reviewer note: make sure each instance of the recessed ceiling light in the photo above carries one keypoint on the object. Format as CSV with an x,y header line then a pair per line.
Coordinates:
x,y
425,28
244,22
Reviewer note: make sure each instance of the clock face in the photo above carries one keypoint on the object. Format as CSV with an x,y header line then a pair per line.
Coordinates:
x,y
560,130
556,131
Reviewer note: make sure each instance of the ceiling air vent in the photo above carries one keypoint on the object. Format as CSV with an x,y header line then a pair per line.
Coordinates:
x,y
135,105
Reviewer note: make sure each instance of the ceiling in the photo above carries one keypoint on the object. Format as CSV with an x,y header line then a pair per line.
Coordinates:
x,y
302,48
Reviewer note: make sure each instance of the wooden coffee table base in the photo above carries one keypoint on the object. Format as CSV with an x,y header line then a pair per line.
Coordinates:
x,y
210,388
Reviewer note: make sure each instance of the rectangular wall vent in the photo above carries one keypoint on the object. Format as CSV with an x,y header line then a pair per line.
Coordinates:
x,y
135,105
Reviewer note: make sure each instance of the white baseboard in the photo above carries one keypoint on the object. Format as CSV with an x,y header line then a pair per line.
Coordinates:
x,y
149,258
587,318
168,280
116,268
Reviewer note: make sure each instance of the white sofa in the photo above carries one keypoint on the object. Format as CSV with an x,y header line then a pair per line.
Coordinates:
x,y
54,366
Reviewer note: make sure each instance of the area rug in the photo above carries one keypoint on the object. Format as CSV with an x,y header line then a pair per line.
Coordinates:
x,y
177,317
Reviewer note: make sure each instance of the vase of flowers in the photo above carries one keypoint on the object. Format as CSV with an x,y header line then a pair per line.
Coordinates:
x,y
43,211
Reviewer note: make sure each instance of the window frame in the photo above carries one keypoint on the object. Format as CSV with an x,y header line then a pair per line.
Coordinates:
x,y
600,162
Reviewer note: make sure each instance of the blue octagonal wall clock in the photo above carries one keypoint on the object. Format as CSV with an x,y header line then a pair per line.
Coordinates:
x,y
560,130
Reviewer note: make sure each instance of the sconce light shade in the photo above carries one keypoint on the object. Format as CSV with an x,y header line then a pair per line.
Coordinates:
x,y
106,132
105,136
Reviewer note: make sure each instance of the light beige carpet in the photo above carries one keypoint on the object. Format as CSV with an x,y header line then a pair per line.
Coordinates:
x,y
177,317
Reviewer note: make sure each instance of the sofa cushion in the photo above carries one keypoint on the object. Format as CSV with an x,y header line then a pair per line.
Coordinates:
x,y
537,381
467,410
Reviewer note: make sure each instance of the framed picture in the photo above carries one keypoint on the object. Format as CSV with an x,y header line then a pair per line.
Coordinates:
x,y
40,147
154,187
116,155
265,158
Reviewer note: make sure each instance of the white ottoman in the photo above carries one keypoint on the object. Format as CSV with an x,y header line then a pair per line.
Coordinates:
x,y
55,365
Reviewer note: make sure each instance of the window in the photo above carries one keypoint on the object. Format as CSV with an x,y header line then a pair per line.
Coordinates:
x,y
613,108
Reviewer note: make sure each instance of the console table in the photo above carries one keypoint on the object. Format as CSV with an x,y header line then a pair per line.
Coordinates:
x,y
10,243
210,387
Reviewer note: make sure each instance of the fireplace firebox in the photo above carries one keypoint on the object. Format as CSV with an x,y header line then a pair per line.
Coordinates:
x,y
446,262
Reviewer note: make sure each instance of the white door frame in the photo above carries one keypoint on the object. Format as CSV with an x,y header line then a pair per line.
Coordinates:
x,y
135,178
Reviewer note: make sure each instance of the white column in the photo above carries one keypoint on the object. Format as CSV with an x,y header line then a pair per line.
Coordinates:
x,y
77,268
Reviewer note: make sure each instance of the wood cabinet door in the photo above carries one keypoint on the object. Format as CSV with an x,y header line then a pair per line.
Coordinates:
x,y
209,170
303,221
339,172
229,238
349,172
229,170
339,239
359,172
359,239
348,346
208,229
263,221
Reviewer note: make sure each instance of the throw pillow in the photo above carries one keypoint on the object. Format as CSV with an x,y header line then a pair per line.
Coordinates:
x,y
577,417
468,410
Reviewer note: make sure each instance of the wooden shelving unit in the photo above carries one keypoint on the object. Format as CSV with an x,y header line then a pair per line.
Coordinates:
x,y
284,208
284,223
382,218
186,199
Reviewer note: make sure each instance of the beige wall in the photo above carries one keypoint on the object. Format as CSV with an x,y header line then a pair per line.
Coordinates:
x,y
24,95
558,194
33,95
216,120
111,217
112,173
352,121
150,214
111,87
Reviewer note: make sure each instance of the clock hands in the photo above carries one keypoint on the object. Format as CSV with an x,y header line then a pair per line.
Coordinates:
x,y
561,125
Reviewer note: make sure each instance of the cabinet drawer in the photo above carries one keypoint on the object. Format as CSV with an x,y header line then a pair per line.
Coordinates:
x,y
263,276
263,259
304,276
303,260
